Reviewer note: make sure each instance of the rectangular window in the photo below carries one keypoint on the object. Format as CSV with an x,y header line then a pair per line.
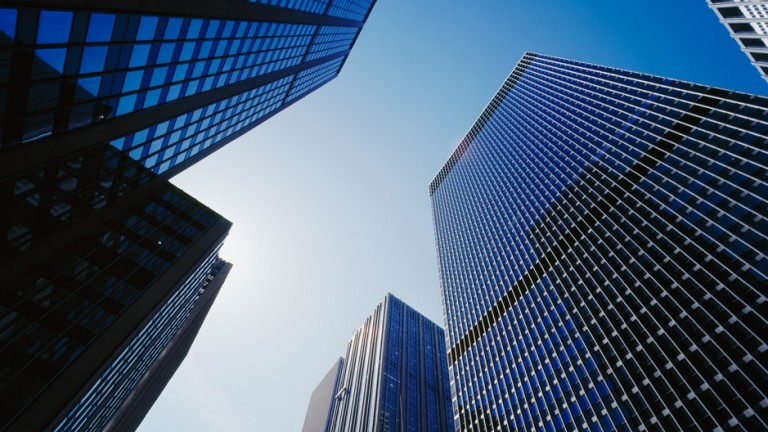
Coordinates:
x,y
54,27
91,85
152,98
173,28
132,81
126,104
158,76
186,51
194,28
100,28
139,55
52,62
8,22
213,26
180,72
93,59
166,53
147,28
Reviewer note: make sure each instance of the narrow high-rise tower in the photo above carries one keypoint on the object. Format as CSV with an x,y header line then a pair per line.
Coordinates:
x,y
601,237
394,377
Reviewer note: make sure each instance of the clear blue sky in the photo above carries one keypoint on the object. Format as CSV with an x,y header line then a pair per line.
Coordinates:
x,y
329,199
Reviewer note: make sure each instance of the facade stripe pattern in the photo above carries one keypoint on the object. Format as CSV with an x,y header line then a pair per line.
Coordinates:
x,y
600,242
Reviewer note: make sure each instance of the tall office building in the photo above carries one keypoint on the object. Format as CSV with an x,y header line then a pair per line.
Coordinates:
x,y
323,400
601,237
94,297
747,22
394,376
166,82
107,268
127,390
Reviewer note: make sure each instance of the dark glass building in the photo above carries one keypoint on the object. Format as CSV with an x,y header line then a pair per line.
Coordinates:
x,y
126,391
601,237
107,269
394,376
102,299
165,82
747,22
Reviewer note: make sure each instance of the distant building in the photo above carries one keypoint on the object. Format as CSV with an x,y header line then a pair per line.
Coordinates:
x,y
747,22
322,402
601,237
394,376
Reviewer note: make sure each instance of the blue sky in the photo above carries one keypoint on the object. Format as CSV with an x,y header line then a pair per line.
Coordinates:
x,y
329,199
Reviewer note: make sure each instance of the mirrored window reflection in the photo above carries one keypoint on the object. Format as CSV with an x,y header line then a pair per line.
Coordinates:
x,y
132,80
139,55
93,59
54,27
52,63
91,85
7,24
100,28
147,28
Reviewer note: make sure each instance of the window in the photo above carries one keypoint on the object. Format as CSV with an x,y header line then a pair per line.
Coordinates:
x,y
91,85
139,55
8,22
147,28
126,104
100,28
54,27
51,58
173,28
132,81
93,59
166,52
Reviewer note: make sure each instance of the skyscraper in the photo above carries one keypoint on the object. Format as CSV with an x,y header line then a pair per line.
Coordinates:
x,y
601,237
165,82
109,270
323,401
394,376
95,295
138,385
747,22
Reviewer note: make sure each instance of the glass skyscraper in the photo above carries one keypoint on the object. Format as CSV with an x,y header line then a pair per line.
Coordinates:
x,y
394,376
91,307
601,237
747,22
108,270
167,83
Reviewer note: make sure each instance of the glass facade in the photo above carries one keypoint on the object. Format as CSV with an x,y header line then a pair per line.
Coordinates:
x,y
86,278
356,10
121,379
601,237
747,22
395,375
99,105
68,69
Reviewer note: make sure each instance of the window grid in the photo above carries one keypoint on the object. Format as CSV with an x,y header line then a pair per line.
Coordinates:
x,y
634,207
122,63
167,144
